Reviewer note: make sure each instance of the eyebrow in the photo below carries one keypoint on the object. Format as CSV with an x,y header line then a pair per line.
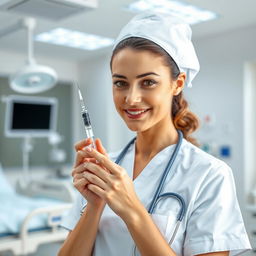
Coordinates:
x,y
139,76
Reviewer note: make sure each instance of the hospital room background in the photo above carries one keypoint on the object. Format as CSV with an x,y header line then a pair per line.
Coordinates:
x,y
35,183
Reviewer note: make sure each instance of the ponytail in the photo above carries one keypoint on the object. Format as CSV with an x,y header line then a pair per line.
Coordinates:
x,y
183,118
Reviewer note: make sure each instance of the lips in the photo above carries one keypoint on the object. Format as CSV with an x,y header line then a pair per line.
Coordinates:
x,y
135,113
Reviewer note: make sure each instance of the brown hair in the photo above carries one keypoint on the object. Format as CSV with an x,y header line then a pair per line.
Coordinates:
x,y
183,118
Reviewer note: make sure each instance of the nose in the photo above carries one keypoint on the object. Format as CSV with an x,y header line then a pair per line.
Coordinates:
x,y
133,95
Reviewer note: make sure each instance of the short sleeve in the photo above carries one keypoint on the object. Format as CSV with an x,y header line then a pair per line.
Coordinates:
x,y
215,223
73,216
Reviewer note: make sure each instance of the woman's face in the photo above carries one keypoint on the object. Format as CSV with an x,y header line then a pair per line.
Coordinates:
x,y
142,89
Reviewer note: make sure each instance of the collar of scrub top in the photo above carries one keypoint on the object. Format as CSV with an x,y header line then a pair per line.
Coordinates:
x,y
170,33
158,196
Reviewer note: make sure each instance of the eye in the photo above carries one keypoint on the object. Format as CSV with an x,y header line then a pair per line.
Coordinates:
x,y
120,83
149,82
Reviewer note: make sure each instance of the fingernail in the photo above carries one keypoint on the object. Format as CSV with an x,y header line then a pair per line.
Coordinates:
x,y
89,149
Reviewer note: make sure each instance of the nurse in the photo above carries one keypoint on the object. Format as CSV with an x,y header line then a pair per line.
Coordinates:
x,y
153,59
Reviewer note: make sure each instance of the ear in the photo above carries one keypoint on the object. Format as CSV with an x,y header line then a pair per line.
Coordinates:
x,y
179,84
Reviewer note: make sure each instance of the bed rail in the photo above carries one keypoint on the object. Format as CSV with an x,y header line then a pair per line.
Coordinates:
x,y
28,242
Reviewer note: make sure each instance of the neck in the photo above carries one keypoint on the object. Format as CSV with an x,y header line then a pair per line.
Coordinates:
x,y
152,141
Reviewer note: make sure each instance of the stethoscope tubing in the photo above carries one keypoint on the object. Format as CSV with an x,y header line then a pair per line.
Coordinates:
x,y
158,196
165,174
179,199
159,189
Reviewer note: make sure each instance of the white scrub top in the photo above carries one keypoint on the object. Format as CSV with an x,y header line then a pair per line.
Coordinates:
x,y
213,221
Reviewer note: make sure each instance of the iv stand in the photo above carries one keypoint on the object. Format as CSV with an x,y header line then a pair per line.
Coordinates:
x,y
27,147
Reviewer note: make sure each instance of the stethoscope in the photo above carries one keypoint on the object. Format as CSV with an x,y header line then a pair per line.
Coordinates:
x,y
158,196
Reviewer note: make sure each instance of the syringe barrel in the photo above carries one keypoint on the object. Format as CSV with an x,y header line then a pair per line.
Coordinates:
x,y
89,133
86,119
88,127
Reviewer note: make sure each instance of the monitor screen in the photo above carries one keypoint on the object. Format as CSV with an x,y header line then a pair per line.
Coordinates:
x,y
30,116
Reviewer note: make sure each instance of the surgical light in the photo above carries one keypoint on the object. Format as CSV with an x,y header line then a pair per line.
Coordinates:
x,y
31,78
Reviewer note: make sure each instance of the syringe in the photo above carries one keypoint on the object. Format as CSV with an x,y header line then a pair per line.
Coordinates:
x,y
86,118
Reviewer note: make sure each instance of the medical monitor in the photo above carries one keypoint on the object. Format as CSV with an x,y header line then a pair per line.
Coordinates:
x,y
30,116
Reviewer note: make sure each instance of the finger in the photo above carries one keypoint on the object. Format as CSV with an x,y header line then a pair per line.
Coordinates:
x,y
88,159
81,157
80,183
98,171
91,160
81,168
97,190
82,144
93,179
81,154
104,161
78,176
100,147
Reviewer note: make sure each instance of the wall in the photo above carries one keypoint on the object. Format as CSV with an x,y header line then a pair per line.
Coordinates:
x,y
219,89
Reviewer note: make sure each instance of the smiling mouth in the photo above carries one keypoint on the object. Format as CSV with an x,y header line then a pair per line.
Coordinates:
x,y
135,113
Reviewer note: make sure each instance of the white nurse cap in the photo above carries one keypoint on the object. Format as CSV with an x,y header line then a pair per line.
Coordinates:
x,y
169,32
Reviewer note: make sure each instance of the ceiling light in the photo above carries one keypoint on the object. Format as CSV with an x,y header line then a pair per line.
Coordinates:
x,y
75,39
189,13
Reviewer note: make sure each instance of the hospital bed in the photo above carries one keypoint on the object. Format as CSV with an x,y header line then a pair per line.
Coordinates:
x,y
27,222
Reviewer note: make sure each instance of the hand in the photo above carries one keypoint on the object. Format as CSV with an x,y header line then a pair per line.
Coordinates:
x,y
79,180
111,183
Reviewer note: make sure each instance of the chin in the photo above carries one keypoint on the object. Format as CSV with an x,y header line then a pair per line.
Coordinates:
x,y
133,128
137,125
136,128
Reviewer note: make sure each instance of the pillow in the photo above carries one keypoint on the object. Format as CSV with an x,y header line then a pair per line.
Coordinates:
x,y
5,186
